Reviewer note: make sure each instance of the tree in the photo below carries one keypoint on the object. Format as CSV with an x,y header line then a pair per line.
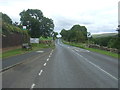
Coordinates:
x,y
6,18
76,34
55,35
47,27
36,23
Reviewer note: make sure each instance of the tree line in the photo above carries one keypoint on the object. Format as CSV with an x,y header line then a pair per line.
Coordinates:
x,y
76,34
110,41
9,27
37,25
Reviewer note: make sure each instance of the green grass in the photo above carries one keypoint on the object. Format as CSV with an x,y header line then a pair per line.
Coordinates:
x,y
48,38
12,53
81,45
21,51
104,52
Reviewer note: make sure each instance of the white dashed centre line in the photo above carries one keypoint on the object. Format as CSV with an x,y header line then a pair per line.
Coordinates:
x,y
33,85
44,64
40,72
48,59
52,50
50,54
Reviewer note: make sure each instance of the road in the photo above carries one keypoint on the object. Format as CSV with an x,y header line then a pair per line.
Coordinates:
x,y
64,67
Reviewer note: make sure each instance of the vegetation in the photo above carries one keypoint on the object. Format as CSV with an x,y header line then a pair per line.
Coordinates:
x,y
6,18
76,34
55,35
48,38
37,26
36,23
15,52
8,27
81,45
108,41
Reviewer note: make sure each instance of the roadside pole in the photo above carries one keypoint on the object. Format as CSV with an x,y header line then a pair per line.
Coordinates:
x,y
88,36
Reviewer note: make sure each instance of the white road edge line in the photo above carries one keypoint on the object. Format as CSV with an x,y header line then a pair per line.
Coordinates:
x,y
98,67
40,72
33,85
44,64
49,56
48,59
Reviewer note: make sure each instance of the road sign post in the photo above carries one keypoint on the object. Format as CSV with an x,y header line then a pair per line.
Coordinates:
x,y
88,36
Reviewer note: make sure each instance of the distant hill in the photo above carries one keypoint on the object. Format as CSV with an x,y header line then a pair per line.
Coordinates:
x,y
104,35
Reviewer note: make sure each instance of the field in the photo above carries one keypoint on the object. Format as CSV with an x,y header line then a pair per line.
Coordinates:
x,y
103,35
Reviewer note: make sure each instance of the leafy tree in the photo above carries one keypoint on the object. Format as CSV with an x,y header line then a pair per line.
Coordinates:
x,y
76,34
36,23
47,27
55,35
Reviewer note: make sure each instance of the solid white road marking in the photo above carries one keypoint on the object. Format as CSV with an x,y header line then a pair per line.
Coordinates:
x,y
44,64
81,50
40,72
40,51
87,51
33,85
48,59
97,67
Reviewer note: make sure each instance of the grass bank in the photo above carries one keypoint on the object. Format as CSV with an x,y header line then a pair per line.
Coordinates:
x,y
81,45
21,51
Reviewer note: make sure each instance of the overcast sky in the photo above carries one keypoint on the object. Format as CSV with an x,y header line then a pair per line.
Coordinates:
x,y
97,15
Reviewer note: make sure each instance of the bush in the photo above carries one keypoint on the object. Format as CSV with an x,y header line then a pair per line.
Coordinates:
x,y
7,28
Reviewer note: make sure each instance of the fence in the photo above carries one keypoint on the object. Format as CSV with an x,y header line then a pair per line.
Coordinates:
x,y
13,40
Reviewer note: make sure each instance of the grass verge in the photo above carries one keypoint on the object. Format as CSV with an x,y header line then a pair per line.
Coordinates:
x,y
81,45
21,51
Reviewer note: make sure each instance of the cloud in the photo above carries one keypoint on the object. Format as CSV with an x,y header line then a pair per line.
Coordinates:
x,y
96,15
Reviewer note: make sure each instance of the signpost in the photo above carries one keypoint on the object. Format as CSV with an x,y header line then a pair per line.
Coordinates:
x,y
88,36
24,27
34,40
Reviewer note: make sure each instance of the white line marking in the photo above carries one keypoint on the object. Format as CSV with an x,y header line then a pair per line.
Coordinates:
x,y
49,56
50,53
102,70
40,51
40,72
48,59
87,51
33,85
52,50
98,67
44,64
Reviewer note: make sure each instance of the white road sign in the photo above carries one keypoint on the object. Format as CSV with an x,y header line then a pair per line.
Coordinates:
x,y
88,34
34,40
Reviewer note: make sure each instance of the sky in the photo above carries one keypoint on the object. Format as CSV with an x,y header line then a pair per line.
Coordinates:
x,y
98,16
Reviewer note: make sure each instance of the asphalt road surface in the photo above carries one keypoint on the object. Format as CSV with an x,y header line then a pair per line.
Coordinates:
x,y
63,67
